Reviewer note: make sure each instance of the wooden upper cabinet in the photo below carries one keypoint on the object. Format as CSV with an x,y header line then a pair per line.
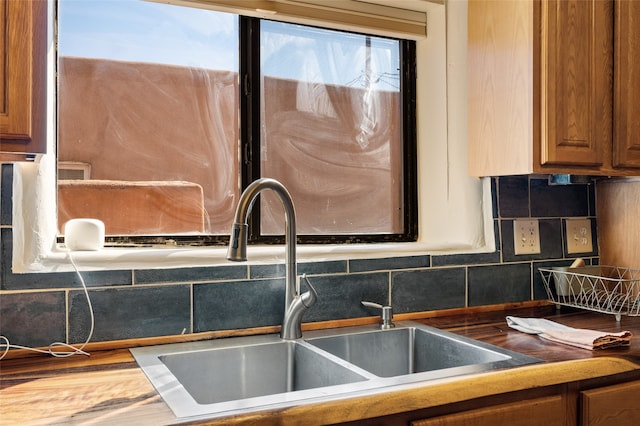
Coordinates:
x,y
576,81
500,87
540,81
626,127
23,38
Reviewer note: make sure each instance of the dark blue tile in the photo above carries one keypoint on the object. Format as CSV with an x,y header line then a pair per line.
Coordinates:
x,y
6,194
389,263
267,271
328,267
6,257
550,241
189,275
558,200
309,268
33,319
465,259
129,313
428,289
494,197
592,199
54,280
508,245
237,305
496,234
513,196
550,238
339,296
497,284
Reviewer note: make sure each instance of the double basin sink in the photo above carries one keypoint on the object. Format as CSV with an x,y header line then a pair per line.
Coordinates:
x,y
240,374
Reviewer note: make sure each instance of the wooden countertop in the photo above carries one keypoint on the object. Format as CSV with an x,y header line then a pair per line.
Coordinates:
x,y
491,327
109,388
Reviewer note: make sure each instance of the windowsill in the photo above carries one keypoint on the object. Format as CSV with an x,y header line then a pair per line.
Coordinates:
x,y
112,258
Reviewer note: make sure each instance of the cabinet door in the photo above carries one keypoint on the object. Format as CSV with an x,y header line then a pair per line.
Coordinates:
x,y
500,87
611,405
547,411
576,82
23,33
626,127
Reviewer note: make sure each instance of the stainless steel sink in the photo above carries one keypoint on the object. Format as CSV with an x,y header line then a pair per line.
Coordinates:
x,y
409,350
242,373
227,376
255,370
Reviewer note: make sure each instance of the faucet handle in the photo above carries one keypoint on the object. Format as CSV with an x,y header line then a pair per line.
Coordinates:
x,y
387,313
291,325
311,296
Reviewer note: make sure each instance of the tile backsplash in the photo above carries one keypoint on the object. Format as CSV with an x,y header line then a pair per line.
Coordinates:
x,y
39,308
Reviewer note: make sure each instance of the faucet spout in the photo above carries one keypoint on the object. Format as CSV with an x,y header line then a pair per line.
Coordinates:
x,y
238,251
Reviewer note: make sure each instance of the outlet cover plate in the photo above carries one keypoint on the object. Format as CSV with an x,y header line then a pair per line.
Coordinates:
x,y
579,238
526,236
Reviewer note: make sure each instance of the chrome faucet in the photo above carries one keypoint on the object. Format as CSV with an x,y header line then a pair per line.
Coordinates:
x,y
295,303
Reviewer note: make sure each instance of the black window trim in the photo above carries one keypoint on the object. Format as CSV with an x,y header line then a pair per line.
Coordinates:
x,y
249,84
250,30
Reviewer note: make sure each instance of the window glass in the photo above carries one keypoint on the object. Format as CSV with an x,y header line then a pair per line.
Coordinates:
x,y
331,129
148,100
149,105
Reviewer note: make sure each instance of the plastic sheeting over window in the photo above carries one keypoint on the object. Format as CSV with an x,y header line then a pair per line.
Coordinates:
x,y
332,130
148,98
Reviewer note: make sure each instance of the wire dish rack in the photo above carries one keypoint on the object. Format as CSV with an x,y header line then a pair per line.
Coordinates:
x,y
607,289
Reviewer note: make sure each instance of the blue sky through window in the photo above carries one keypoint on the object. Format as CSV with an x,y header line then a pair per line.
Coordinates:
x,y
142,31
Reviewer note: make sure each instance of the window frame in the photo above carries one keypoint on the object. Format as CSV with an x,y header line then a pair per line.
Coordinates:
x,y
249,86
250,101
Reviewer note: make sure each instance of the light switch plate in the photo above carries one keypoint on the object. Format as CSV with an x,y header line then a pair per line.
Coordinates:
x,y
526,236
579,238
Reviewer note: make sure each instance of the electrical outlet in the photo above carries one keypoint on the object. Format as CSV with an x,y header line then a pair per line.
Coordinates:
x,y
526,236
579,236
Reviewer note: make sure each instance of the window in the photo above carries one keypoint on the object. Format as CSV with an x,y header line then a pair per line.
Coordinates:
x,y
170,111
455,214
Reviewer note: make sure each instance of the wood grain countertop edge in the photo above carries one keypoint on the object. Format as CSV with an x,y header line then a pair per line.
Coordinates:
x,y
436,393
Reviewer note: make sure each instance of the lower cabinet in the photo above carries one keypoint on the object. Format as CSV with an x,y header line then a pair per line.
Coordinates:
x,y
604,401
547,411
610,405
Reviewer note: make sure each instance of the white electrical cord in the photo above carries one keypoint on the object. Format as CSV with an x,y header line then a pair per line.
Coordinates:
x,y
60,354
